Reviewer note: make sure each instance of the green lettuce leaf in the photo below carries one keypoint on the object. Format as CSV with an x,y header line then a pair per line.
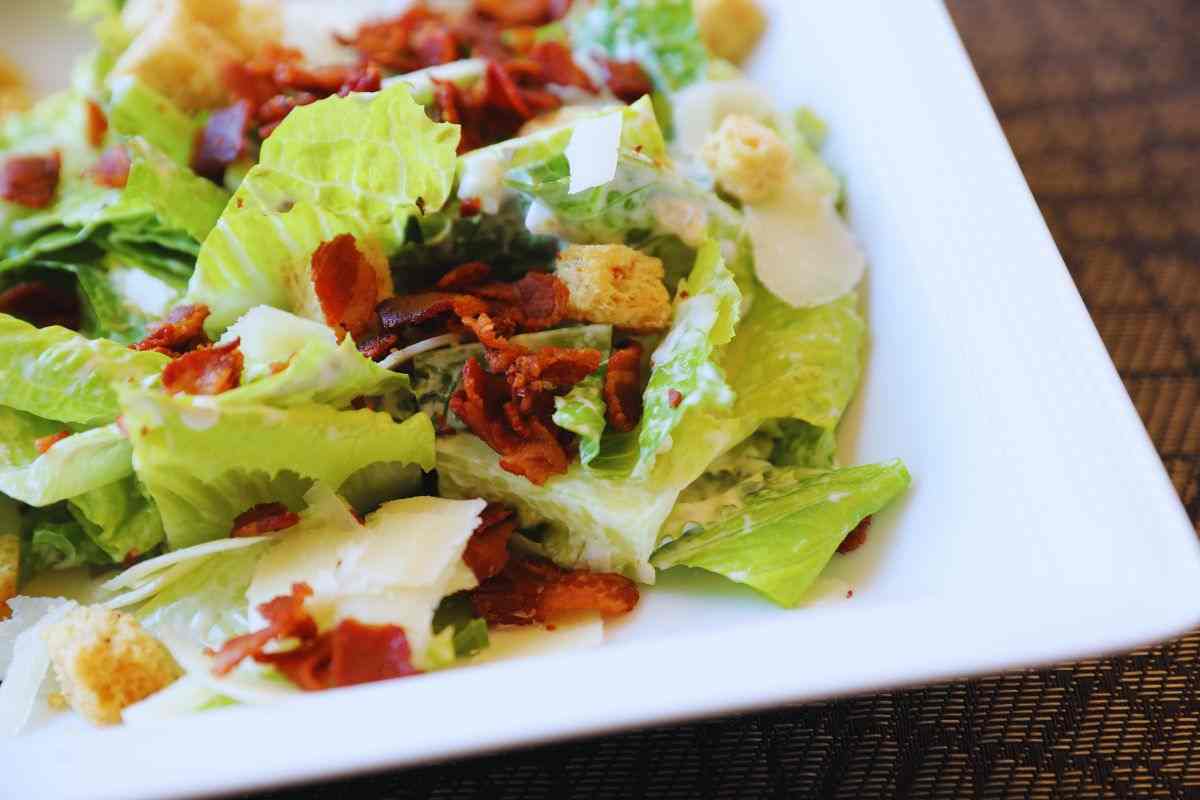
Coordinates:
x,y
582,412
179,199
470,632
80,463
780,536
204,462
318,369
661,35
135,109
119,519
58,374
52,539
372,157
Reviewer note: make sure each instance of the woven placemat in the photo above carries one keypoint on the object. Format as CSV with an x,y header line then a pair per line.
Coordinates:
x,y
1101,102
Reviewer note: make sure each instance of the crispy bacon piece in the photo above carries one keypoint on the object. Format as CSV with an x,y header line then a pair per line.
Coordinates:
x,y
415,39
855,538
286,618
97,124
674,397
538,376
522,12
112,168
623,387
559,67
350,654
535,591
263,518
627,80
487,549
181,331
345,284
30,181
401,311
464,276
536,302
42,304
470,207
207,371
44,443
378,346
221,141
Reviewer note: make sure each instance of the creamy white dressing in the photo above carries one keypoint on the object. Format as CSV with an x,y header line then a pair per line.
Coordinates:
x,y
482,177
142,292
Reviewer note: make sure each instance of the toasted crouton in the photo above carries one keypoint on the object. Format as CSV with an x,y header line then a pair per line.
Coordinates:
x,y
180,57
106,661
749,160
615,285
730,28
10,564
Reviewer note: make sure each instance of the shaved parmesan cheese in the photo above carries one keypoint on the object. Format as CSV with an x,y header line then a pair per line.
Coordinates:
x,y
482,177
593,150
26,676
803,250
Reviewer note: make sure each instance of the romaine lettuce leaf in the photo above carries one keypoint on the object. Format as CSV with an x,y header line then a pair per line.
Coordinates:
x,y
178,199
780,536
80,463
582,412
119,519
135,109
58,374
661,35
204,462
317,368
53,539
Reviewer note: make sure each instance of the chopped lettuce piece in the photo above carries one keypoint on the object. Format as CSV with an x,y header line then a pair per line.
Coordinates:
x,y
372,157
318,369
582,412
469,631
58,374
82,462
53,539
661,35
180,199
204,462
135,109
119,519
779,537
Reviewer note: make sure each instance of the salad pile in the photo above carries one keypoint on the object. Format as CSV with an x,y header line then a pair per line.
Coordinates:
x,y
342,349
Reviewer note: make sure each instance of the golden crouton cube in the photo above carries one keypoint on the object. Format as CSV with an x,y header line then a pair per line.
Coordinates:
x,y
730,28
615,285
10,567
180,57
749,160
105,661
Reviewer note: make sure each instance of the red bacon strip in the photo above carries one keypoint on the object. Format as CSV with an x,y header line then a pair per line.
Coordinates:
x,y
350,654
221,141
464,276
30,181
401,311
112,168
487,549
181,331
855,538
536,591
345,284
558,66
522,12
623,387
376,347
42,304
207,371
263,518
627,80
97,124
535,378
286,618
44,443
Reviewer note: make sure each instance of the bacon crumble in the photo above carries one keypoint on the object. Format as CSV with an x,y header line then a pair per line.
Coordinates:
x,y
97,124
487,549
627,80
623,387
855,538
206,371
464,276
345,284
263,518
286,618
221,141
112,168
535,591
180,332
31,181
44,443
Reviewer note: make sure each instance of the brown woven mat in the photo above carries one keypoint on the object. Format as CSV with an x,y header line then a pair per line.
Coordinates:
x,y
1101,101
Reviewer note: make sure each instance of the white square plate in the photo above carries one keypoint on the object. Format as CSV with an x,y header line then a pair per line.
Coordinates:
x,y
1040,527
